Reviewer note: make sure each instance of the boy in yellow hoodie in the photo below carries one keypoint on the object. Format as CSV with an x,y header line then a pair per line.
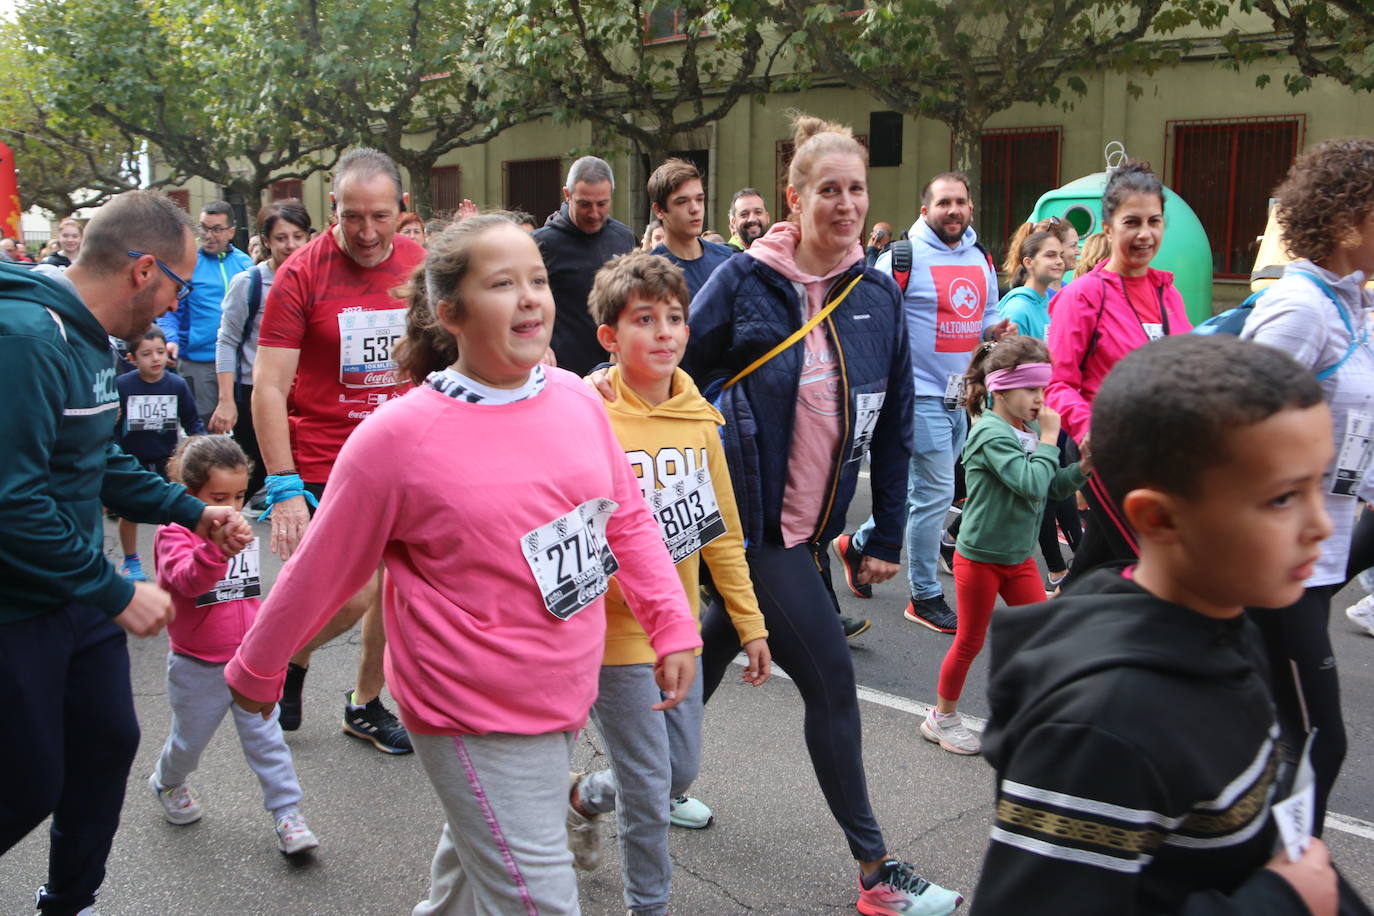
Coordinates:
x,y
670,436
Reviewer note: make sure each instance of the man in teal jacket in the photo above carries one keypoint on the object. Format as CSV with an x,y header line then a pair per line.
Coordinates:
x,y
64,610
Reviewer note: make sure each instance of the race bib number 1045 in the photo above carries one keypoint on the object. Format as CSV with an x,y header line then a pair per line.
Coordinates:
x,y
570,559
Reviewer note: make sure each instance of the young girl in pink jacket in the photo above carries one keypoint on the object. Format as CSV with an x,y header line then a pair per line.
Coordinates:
x,y
216,600
500,503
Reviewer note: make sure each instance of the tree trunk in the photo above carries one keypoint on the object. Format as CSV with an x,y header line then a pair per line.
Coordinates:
x,y
421,188
968,156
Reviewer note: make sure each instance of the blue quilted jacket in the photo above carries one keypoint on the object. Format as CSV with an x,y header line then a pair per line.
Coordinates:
x,y
746,308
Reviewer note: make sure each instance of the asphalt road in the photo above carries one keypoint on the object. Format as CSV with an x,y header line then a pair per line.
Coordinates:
x,y
774,848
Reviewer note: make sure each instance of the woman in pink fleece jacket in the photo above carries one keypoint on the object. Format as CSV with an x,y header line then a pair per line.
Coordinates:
x,y
216,599
500,503
1119,305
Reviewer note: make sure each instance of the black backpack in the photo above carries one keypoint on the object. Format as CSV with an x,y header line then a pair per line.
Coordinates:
x,y
901,262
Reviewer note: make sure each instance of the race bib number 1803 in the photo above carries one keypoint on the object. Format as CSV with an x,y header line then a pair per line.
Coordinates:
x,y
570,559
687,513
366,344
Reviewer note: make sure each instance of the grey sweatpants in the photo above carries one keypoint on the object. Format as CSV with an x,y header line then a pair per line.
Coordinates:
x,y
655,756
504,849
199,699
204,385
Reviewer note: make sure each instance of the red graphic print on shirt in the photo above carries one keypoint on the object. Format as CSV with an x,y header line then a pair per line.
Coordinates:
x,y
961,296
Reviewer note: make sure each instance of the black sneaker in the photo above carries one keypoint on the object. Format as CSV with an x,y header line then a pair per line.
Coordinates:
x,y
853,626
290,702
375,723
947,546
850,560
933,613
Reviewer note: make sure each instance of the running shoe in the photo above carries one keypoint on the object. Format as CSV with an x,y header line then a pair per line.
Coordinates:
x,y
289,706
947,545
933,613
42,892
1361,613
853,626
294,835
689,812
584,833
180,804
131,570
850,561
896,890
375,723
950,733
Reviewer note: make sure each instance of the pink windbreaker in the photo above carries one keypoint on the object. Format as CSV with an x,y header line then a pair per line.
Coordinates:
x,y
1096,301
445,493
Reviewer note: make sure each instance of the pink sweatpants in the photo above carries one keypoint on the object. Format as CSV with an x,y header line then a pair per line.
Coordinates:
x,y
976,587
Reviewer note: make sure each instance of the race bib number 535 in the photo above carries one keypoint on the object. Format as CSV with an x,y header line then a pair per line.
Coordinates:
x,y
366,342
570,559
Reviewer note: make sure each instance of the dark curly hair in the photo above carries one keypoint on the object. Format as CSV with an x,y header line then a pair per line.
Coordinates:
x,y
1326,195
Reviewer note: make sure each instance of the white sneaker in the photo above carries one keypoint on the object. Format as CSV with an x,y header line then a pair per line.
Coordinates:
x,y
1361,613
294,835
950,733
180,804
693,813
584,833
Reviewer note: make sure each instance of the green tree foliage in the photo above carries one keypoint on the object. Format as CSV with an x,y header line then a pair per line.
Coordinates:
x,y
196,80
595,64
960,63
414,78
1330,38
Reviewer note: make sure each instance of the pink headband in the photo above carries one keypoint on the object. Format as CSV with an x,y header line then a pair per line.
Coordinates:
x,y
1026,375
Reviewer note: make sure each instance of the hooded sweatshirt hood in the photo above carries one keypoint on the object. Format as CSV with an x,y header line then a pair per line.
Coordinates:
x,y
684,400
778,249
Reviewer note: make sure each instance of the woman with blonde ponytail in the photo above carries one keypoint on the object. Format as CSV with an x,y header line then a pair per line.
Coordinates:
x,y
805,351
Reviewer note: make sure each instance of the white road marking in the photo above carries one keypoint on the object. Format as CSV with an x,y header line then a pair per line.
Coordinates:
x,y
1342,822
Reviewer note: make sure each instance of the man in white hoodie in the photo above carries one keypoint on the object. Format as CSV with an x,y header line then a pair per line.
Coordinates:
x,y
950,295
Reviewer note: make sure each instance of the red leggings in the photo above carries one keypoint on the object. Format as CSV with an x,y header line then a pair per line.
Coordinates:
x,y
976,587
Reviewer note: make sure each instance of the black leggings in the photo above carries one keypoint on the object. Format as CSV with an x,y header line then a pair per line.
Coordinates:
x,y
806,640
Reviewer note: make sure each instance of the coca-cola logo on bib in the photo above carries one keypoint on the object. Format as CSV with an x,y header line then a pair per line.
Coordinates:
x,y
380,378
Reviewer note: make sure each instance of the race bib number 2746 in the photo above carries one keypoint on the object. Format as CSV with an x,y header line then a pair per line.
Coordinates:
x,y
570,559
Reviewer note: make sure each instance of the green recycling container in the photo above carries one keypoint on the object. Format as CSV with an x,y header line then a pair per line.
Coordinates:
x,y
1185,252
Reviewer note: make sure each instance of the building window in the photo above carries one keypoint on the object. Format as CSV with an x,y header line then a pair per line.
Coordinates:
x,y
445,189
782,161
533,185
182,199
1019,164
1226,170
664,23
284,190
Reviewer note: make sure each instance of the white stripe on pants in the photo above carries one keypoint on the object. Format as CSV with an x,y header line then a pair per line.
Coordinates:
x,y
655,756
504,849
199,699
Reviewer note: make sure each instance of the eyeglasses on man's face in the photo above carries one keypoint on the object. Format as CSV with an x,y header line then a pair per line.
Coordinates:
x,y
183,285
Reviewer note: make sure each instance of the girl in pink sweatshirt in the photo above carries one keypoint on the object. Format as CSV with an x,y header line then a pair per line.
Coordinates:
x,y
499,501
216,599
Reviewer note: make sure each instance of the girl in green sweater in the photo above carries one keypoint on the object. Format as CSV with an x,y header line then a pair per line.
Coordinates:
x,y
1011,462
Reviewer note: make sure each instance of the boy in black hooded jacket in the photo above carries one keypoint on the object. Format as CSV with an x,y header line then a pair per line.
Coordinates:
x,y
1132,728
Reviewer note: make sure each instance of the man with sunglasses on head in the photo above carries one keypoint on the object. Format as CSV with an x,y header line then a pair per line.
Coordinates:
x,y
64,610
194,328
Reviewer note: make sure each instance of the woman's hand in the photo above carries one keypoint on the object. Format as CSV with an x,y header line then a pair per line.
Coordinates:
x,y
223,419
599,381
289,518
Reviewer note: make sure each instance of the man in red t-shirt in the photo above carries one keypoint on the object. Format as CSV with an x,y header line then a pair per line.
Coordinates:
x,y
324,364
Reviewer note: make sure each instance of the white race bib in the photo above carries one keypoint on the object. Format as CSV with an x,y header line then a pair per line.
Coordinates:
x,y
1294,814
867,408
570,559
366,344
150,413
954,390
240,579
687,513
1029,440
1153,330
1357,447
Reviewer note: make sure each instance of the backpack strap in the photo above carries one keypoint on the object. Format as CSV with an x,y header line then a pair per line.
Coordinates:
x,y
1345,320
254,303
901,263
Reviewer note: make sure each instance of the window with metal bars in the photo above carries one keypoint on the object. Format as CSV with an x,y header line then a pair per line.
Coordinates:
x,y
1019,164
445,189
533,185
1227,169
281,190
783,151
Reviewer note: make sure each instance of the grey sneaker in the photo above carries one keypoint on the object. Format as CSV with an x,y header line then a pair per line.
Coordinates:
x,y
1361,613
294,835
950,733
180,804
933,613
584,833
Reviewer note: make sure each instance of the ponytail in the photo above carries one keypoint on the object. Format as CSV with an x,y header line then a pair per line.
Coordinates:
x,y
427,345
1007,353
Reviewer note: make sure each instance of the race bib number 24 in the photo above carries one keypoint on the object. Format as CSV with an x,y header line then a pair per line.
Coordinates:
x,y
570,559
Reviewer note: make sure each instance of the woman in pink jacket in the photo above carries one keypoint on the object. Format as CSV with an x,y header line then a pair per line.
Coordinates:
x,y
500,503
1119,305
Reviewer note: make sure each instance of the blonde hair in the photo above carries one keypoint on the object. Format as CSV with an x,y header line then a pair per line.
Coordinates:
x,y
1096,249
814,137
